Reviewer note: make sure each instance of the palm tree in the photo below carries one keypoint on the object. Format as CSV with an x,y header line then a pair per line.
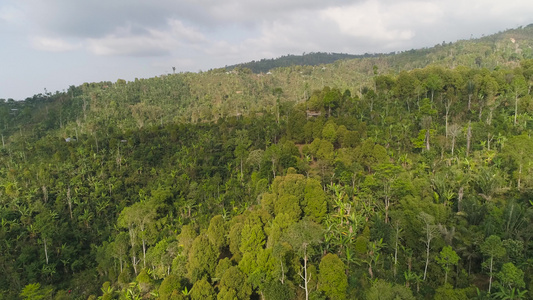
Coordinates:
x,y
426,125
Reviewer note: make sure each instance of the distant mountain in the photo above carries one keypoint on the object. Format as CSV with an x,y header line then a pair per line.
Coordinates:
x,y
306,59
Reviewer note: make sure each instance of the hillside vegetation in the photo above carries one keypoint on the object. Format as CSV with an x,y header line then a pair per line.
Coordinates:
x,y
405,176
306,59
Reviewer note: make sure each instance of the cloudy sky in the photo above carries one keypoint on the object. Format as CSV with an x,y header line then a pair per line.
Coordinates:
x,y
53,44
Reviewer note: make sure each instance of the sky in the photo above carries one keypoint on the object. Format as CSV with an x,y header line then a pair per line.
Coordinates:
x,y
53,44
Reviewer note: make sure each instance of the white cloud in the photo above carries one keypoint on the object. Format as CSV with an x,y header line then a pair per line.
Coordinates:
x,y
150,42
53,44
185,33
385,22
270,39
10,14
127,46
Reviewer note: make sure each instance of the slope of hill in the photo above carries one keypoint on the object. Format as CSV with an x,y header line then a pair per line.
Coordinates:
x,y
395,176
218,93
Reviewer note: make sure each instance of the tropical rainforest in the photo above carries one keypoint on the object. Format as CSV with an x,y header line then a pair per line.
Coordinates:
x,y
398,176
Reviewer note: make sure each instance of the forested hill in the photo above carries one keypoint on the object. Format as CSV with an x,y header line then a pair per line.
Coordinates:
x,y
473,51
306,59
207,96
401,177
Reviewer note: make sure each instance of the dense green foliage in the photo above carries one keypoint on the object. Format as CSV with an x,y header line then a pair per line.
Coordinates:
x,y
306,59
405,185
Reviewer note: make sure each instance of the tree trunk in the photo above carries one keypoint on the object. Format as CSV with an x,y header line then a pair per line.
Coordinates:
x,y
427,139
274,168
277,110
306,281
396,248
84,109
427,260
69,202
134,262
144,253
515,107
446,124
453,143
132,242
468,138
45,250
241,171
519,176
387,204
304,276
490,277
282,279
448,105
